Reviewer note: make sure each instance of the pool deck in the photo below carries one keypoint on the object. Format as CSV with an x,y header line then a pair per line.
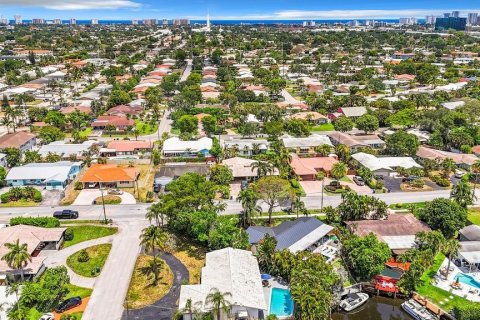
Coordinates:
x,y
267,292
466,291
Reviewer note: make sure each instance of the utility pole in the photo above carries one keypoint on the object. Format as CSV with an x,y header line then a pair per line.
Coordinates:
x,y
103,204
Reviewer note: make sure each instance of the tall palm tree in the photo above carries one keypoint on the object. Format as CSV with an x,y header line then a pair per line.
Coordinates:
x,y
248,198
450,248
219,302
263,168
155,212
339,170
17,256
324,150
463,194
298,206
448,166
153,238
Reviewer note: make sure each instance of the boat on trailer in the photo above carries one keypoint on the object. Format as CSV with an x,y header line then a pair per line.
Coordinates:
x,y
353,300
417,311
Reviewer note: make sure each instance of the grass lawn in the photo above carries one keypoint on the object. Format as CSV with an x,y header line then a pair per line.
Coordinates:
x,y
323,127
145,181
346,179
84,233
145,128
474,216
141,291
408,206
98,256
21,203
190,254
109,199
74,291
436,295
85,133
175,131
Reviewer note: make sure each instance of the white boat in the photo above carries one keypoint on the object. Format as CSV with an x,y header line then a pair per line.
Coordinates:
x,y
417,311
353,301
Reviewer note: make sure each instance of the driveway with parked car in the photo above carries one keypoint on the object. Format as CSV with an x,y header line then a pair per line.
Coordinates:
x,y
87,196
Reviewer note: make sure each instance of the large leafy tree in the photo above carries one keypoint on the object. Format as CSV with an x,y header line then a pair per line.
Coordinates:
x,y
343,124
273,191
359,207
50,134
221,175
367,123
444,215
401,143
339,170
365,256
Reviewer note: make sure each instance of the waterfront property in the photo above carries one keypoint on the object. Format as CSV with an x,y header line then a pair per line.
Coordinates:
x,y
174,147
52,176
228,270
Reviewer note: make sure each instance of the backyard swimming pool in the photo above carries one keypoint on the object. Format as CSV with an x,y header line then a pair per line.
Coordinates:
x,y
281,303
466,279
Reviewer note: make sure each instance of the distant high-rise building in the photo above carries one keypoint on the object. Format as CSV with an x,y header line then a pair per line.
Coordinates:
x,y
353,23
430,20
150,22
18,19
309,23
38,21
408,21
94,21
57,21
134,22
4,21
455,14
451,23
73,21
165,22
472,18
447,15
181,22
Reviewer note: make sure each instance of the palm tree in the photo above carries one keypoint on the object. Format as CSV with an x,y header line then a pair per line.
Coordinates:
x,y
450,248
324,150
266,253
218,302
463,194
263,168
448,165
153,238
298,205
339,170
17,257
155,212
475,170
154,267
248,198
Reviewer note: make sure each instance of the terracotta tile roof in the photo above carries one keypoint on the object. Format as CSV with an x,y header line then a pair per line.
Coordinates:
x,y
117,121
306,166
122,109
129,145
109,173
15,140
68,110
394,225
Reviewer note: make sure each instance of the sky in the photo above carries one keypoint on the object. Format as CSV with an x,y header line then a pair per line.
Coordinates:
x,y
231,9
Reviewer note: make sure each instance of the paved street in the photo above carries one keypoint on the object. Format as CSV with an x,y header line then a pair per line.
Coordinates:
x,y
288,97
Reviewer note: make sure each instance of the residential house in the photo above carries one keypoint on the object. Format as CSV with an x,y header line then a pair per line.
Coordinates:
x,y
228,270
353,112
462,160
53,176
110,176
384,166
470,233
67,150
121,123
242,168
174,147
125,111
305,233
21,140
305,145
348,140
313,117
36,239
246,147
3,160
307,168
397,231
118,148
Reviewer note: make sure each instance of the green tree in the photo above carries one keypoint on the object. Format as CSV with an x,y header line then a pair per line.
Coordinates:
x,y
263,168
52,157
209,124
401,143
218,302
444,215
273,191
367,123
266,253
298,127
450,248
339,170
31,156
221,175
463,194
118,97
13,156
343,124
225,233
187,124
17,256
248,198
50,134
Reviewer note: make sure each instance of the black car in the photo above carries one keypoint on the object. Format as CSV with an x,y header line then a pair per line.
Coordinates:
x,y
65,214
410,179
68,304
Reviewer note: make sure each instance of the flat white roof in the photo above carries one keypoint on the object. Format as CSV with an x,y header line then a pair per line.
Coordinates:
x,y
176,145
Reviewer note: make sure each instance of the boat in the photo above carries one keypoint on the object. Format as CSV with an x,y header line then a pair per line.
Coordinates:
x,y
417,311
353,301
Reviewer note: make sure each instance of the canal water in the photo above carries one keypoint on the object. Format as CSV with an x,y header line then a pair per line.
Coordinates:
x,y
377,308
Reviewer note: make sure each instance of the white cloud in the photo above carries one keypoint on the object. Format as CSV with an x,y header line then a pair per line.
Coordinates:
x,y
73,4
339,14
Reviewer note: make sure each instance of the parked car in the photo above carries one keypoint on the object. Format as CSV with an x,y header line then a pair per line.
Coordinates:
x,y
48,316
459,174
410,179
65,214
359,181
115,191
68,304
378,177
92,185
157,188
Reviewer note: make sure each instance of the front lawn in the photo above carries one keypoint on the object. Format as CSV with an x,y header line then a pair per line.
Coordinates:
x,y
109,199
84,233
474,216
74,291
141,291
97,257
323,127
435,294
145,128
20,203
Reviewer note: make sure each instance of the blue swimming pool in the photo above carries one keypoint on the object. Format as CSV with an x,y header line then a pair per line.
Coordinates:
x,y
466,279
281,303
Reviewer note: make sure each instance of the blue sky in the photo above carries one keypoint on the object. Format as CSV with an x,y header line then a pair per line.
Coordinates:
x,y
231,9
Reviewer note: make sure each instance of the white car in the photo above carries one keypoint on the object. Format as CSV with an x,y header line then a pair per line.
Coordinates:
x,y
47,316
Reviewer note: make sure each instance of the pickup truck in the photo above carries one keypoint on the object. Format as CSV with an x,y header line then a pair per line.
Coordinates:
x,y
65,214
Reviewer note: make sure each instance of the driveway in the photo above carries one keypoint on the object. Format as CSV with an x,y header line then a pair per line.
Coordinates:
x,y
235,189
164,308
87,196
51,197
393,184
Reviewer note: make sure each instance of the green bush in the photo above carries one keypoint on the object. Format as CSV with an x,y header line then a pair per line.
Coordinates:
x,y
37,197
418,183
467,312
68,235
5,197
442,182
83,256
44,222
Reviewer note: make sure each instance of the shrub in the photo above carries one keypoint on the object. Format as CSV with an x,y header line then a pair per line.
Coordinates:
x,y
320,175
442,182
37,197
149,196
68,235
418,183
467,312
44,222
5,197
78,185
83,256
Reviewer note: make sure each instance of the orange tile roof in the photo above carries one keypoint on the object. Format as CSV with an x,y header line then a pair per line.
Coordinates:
x,y
129,145
305,166
109,173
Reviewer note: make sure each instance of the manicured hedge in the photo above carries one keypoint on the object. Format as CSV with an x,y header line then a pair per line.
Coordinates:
x,y
44,222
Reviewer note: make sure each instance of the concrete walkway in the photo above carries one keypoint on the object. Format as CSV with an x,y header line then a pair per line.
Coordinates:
x,y
111,286
87,196
164,308
59,258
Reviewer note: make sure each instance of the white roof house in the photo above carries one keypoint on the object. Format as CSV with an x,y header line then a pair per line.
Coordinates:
x,y
228,270
242,167
66,150
385,164
453,104
176,147
354,111
312,141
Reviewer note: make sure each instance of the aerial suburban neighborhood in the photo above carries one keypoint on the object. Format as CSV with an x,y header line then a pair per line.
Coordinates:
x,y
302,167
